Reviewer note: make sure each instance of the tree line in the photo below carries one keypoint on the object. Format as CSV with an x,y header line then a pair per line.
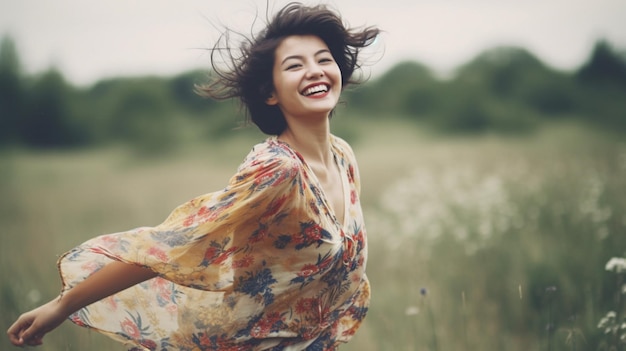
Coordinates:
x,y
505,89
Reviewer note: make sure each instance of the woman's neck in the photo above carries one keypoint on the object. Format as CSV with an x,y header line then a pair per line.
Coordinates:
x,y
312,142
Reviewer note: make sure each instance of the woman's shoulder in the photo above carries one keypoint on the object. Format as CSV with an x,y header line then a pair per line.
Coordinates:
x,y
342,147
271,155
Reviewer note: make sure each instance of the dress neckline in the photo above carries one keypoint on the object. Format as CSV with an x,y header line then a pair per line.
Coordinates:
x,y
342,174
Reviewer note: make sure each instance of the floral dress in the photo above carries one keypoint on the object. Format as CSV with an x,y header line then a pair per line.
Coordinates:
x,y
263,264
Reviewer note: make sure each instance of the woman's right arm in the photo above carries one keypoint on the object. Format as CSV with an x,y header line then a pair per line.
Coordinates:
x,y
30,328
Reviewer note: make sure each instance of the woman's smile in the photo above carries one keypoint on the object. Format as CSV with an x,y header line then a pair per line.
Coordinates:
x,y
316,90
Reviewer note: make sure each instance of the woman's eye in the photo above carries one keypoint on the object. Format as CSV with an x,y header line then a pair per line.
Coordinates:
x,y
325,60
293,66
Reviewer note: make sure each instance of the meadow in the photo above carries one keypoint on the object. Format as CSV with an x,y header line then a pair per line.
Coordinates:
x,y
484,242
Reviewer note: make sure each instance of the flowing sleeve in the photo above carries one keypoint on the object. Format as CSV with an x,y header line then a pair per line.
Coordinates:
x,y
203,242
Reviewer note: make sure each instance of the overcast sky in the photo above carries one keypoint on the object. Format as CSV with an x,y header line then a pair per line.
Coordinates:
x,y
88,40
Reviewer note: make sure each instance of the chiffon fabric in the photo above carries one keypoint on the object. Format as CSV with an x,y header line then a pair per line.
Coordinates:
x,y
263,264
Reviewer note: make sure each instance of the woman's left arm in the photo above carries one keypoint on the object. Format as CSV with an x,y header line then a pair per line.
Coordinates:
x,y
30,327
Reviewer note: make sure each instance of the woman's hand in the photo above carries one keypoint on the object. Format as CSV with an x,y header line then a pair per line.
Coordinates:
x,y
30,327
116,276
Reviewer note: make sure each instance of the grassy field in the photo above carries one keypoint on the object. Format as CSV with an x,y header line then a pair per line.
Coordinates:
x,y
476,243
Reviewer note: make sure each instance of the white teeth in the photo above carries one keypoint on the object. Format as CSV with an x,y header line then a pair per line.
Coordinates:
x,y
315,89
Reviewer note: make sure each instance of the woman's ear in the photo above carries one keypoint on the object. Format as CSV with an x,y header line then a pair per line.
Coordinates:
x,y
272,99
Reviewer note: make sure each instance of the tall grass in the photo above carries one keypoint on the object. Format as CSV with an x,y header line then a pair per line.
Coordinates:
x,y
510,235
476,243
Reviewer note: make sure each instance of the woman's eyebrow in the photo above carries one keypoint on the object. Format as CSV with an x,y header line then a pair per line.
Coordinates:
x,y
300,57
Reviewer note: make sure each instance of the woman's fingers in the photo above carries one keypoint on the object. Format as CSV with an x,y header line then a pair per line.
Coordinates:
x,y
30,328
17,330
34,340
33,336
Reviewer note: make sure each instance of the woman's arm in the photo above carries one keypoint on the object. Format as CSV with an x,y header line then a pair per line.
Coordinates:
x,y
30,328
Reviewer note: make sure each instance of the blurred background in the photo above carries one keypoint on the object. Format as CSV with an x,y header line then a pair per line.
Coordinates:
x,y
491,138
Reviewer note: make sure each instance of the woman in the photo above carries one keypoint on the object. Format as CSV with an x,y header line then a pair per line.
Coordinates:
x,y
276,260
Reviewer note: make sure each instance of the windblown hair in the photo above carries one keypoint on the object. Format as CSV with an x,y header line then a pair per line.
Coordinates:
x,y
248,71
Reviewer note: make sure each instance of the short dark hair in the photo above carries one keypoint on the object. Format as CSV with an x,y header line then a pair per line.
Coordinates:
x,y
248,71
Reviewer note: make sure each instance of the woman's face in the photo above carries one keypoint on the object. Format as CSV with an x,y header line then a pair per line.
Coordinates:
x,y
307,80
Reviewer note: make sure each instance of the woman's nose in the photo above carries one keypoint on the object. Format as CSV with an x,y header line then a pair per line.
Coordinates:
x,y
315,71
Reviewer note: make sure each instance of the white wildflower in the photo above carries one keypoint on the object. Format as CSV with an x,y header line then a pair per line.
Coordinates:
x,y
616,264
608,322
411,311
34,296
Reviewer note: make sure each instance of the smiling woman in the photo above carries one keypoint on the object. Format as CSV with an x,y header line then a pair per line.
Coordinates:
x,y
249,73
275,260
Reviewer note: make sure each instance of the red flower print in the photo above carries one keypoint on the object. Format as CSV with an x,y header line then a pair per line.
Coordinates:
x,y
273,317
324,262
308,270
202,340
130,328
262,178
209,214
348,252
313,206
204,211
275,206
259,330
172,308
109,241
75,318
91,266
309,333
313,233
189,220
206,214
359,236
258,235
224,255
306,305
353,197
244,262
158,253
351,331
264,326
210,254
159,284
164,290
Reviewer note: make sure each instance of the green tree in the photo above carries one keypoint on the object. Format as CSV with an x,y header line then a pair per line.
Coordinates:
x,y
407,89
49,121
143,116
603,81
183,91
605,68
11,92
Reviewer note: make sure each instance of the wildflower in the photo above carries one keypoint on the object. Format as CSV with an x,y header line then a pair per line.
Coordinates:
x,y
423,291
34,296
616,264
411,311
607,322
